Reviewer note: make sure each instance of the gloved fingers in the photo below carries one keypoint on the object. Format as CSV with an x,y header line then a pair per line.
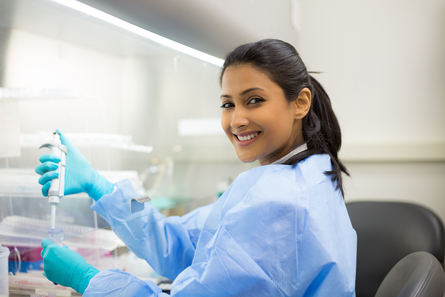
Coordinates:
x,y
50,250
45,243
49,158
65,140
72,152
46,177
45,189
44,274
46,166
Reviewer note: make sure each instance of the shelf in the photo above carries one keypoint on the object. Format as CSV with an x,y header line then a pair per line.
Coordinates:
x,y
118,141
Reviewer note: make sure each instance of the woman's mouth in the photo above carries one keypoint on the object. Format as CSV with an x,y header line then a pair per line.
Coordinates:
x,y
246,139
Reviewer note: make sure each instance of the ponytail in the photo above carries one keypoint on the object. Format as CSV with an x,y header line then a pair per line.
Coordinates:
x,y
321,132
283,64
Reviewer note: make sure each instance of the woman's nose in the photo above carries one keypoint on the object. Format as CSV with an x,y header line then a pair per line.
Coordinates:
x,y
239,119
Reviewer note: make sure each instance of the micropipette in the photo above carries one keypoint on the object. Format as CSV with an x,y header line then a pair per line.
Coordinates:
x,y
57,189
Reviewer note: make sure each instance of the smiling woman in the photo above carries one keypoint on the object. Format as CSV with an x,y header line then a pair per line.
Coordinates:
x,y
280,229
277,66
257,118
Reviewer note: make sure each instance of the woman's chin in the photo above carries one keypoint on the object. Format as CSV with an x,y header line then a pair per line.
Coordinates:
x,y
247,159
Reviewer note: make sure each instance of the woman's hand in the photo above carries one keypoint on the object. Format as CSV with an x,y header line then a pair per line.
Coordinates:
x,y
66,267
80,177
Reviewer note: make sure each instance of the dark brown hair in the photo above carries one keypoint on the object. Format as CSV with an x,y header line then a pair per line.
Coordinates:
x,y
282,63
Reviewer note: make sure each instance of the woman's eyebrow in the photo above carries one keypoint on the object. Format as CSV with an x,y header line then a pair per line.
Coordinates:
x,y
243,92
249,90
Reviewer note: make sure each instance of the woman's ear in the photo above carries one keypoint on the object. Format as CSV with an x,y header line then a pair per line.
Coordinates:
x,y
302,104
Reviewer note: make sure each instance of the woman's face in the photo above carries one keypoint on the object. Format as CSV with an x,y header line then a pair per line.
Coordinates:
x,y
261,124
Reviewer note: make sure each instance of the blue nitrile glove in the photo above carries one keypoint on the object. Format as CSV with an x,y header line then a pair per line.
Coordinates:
x,y
66,267
79,175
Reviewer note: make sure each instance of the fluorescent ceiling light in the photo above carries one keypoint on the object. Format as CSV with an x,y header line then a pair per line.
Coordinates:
x,y
76,5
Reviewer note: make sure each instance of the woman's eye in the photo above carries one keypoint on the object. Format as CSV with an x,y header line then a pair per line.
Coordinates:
x,y
227,105
255,100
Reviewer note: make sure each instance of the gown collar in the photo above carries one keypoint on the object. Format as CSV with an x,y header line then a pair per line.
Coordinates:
x,y
297,150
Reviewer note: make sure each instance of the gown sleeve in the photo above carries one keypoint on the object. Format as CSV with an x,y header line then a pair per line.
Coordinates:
x,y
166,243
116,283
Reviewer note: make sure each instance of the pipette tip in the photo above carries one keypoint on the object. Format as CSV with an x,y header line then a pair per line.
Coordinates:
x,y
56,235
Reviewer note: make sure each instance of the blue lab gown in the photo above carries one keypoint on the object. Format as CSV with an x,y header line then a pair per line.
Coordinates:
x,y
278,230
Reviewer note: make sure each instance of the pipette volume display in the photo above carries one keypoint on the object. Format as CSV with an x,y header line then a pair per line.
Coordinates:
x,y
57,188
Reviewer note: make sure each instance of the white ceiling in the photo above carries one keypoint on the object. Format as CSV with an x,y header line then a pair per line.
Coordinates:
x,y
212,26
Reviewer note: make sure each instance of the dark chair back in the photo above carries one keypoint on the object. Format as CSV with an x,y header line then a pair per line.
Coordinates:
x,y
387,232
417,275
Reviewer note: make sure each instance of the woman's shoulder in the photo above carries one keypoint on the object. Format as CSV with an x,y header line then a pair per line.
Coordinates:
x,y
307,172
280,183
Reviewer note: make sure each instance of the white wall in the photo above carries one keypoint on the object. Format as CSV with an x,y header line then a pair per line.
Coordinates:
x,y
383,64
420,183
384,68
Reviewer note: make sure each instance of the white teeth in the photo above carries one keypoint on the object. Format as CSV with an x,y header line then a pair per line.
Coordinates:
x,y
248,137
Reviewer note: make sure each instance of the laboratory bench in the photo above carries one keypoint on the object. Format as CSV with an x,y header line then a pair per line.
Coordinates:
x,y
35,284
